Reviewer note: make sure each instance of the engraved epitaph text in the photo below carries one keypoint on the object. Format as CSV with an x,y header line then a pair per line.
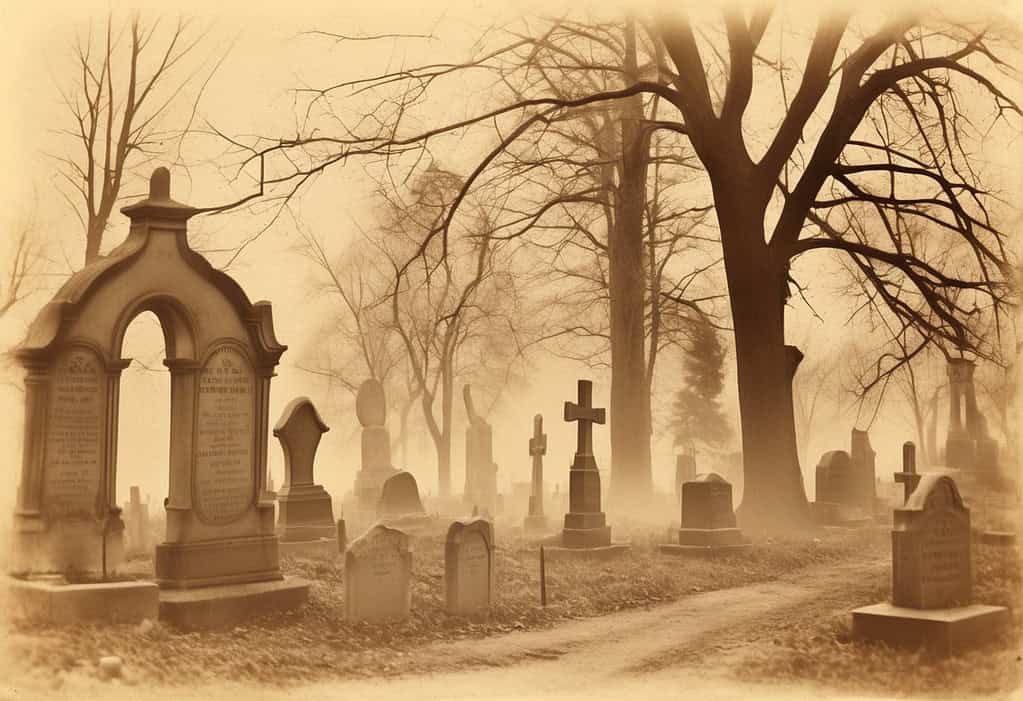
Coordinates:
x,y
224,468
74,435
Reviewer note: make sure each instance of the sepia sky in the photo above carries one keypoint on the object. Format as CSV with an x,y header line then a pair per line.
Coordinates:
x,y
265,56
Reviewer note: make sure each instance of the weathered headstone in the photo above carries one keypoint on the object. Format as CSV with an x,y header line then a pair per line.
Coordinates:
x,y
469,567
221,352
400,497
863,460
708,521
305,521
376,467
931,576
480,468
136,519
836,500
378,574
535,519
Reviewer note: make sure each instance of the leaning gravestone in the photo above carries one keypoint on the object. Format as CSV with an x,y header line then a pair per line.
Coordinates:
x,y
931,577
480,468
378,573
305,522
221,352
376,467
708,521
469,567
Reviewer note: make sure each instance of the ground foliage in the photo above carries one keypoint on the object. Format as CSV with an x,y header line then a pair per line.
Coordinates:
x,y
316,643
822,649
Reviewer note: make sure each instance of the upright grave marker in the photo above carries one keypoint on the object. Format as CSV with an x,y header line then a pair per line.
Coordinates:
x,y
221,352
376,467
931,577
708,521
378,574
480,468
136,519
469,567
909,478
535,519
837,502
305,522
586,531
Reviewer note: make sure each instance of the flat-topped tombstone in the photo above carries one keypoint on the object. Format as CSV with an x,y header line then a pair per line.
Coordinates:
x,y
468,567
707,503
378,572
708,521
931,547
400,496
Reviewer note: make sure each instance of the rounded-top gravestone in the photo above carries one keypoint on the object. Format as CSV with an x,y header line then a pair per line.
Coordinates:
x,y
371,403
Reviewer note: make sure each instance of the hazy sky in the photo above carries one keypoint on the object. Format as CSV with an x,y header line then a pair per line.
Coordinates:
x,y
266,57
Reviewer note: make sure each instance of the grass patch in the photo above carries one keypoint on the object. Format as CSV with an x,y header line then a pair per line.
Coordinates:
x,y
316,643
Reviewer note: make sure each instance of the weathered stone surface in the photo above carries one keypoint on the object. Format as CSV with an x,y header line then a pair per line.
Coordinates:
x,y
535,520
60,603
214,607
585,523
375,467
136,520
708,521
469,567
908,477
931,547
306,512
221,352
863,460
931,577
378,571
480,468
400,497
685,471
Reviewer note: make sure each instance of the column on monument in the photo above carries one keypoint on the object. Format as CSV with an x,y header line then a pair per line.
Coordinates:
x,y
264,510
184,384
37,390
114,370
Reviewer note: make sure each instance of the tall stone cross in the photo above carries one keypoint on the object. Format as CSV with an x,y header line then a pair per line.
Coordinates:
x,y
537,449
585,415
909,477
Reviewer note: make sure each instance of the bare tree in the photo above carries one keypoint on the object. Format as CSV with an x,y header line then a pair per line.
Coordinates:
x,y
128,80
844,176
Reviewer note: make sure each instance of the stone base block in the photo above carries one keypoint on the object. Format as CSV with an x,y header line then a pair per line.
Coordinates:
x,y
704,550
605,552
830,514
410,523
212,607
535,524
711,537
947,631
1004,539
586,537
319,549
217,562
53,601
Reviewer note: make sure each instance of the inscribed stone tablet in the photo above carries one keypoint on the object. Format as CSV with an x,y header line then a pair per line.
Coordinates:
x,y
74,435
377,576
473,557
225,426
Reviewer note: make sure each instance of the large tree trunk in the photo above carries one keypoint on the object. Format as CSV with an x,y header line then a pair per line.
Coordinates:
x,y
630,397
773,495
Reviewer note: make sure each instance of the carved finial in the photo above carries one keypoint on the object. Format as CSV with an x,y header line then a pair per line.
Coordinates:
x,y
159,184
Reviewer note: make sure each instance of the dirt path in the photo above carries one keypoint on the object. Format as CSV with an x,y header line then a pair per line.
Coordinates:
x,y
634,654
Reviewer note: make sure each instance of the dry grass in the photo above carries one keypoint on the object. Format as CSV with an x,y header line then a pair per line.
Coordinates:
x,y
821,648
316,643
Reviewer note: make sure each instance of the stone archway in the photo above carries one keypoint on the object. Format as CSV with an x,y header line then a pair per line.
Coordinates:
x,y
221,352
